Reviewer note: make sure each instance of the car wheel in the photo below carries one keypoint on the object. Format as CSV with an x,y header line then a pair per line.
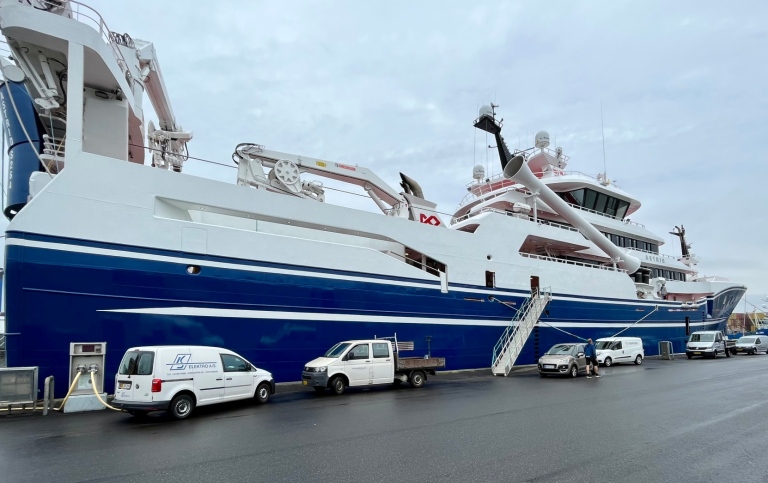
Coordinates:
x,y
338,385
574,371
262,393
417,379
182,406
639,359
608,362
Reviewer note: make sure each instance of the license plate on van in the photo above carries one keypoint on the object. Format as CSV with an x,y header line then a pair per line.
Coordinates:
x,y
697,353
124,385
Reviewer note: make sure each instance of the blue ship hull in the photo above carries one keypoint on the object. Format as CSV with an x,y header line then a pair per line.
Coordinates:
x,y
279,317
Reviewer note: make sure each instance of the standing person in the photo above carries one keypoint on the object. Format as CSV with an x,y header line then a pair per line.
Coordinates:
x,y
590,353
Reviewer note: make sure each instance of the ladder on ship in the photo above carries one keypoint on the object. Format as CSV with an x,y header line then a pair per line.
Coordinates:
x,y
511,343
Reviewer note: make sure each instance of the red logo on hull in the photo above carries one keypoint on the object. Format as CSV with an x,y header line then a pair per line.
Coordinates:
x,y
429,220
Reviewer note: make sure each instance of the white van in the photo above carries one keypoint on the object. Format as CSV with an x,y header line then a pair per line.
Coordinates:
x,y
613,350
179,378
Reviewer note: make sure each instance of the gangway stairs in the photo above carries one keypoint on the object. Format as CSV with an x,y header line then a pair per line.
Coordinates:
x,y
513,339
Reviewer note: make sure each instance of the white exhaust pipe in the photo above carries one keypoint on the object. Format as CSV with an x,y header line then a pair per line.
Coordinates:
x,y
515,168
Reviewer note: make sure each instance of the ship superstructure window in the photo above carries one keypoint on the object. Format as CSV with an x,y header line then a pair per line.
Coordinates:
x,y
668,274
490,279
627,242
600,202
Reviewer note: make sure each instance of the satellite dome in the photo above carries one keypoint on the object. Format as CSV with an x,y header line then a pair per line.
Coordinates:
x,y
486,110
478,172
542,139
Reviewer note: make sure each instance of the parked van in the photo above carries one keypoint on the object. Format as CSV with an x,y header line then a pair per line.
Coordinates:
x,y
709,343
179,378
614,350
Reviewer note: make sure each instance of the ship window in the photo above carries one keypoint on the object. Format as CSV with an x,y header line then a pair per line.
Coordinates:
x,y
578,196
611,206
622,209
490,279
615,239
602,199
589,199
654,248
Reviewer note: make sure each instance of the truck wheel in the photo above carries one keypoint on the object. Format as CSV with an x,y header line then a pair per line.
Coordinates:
x,y
574,371
262,393
638,359
338,385
608,362
417,379
181,406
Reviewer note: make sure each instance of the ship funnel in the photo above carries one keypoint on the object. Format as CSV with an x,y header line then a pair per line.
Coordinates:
x,y
517,169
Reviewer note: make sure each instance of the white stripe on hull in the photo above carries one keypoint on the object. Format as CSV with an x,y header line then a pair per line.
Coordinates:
x,y
334,317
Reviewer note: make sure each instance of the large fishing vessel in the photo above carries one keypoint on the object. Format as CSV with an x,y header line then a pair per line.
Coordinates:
x,y
107,244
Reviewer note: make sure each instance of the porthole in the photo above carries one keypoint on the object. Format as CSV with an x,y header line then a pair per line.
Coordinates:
x,y
193,269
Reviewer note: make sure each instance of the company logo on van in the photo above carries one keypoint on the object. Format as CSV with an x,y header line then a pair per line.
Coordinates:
x,y
183,362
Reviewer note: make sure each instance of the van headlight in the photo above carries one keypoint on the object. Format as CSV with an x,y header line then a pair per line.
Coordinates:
x,y
320,369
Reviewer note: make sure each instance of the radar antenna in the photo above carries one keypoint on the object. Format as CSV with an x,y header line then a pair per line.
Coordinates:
x,y
679,231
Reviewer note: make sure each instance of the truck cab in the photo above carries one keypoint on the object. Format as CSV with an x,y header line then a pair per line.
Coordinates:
x,y
708,343
369,362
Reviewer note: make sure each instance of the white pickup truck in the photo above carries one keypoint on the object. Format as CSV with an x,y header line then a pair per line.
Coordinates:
x,y
366,363
708,343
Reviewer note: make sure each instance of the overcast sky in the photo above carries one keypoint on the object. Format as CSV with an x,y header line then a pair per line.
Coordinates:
x,y
394,86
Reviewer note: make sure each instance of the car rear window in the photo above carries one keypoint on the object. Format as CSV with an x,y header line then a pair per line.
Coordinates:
x,y
139,363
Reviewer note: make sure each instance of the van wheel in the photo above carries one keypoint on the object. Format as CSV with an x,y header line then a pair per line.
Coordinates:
x,y
262,393
638,359
608,362
417,379
338,385
182,406
714,354
733,352
574,371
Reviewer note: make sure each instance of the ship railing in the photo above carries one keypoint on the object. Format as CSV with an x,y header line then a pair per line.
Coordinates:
x,y
514,215
571,262
657,254
88,16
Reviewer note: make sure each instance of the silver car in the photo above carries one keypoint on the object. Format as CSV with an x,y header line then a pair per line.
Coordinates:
x,y
751,344
563,360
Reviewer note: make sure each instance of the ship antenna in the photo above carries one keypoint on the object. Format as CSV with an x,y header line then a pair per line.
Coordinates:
x,y
602,129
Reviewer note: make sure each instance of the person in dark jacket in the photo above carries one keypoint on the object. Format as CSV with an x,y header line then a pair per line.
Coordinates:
x,y
590,353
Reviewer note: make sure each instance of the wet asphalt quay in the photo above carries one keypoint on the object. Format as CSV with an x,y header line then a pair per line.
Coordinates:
x,y
698,420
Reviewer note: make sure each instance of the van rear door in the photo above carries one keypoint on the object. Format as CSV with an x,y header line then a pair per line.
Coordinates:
x,y
134,377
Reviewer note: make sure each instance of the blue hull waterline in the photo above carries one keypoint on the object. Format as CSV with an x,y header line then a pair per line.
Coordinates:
x,y
281,316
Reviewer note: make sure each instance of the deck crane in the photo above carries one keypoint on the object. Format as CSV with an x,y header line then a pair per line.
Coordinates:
x,y
169,142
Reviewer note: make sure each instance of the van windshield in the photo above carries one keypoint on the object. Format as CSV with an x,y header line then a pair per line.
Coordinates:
x,y
604,344
337,350
702,337
747,340
138,363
